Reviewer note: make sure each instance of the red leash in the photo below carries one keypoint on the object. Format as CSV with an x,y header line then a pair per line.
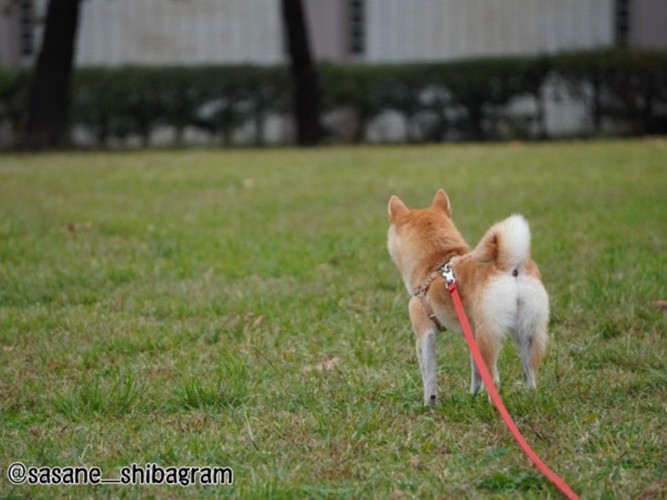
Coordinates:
x,y
448,274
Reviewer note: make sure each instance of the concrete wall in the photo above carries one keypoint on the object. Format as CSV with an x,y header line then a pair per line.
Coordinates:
x,y
235,31
327,24
10,34
202,31
450,29
117,32
159,32
648,24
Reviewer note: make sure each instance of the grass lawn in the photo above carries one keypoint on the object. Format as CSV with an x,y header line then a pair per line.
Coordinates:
x,y
240,309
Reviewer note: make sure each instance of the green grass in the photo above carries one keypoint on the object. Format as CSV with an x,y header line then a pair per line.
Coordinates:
x,y
181,307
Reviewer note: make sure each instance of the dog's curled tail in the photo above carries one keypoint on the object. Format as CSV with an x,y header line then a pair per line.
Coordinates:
x,y
507,243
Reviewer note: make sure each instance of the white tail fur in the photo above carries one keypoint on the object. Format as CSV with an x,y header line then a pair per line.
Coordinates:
x,y
507,242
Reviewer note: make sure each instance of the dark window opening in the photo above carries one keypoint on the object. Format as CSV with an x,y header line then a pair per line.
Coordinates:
x,y
27,20
622,22
356,27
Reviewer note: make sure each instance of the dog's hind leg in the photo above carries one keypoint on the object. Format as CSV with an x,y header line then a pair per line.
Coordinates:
x,y
532,343
531,330
425,345
425,333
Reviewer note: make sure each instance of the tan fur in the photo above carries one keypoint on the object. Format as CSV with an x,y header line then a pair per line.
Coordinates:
x,y
498,282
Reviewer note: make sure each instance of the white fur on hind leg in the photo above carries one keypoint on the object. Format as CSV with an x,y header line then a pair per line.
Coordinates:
x,y
427,363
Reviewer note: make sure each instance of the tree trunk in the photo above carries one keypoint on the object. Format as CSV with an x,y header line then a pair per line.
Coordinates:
x,y
542,132
360,130
48,108
259,128
476,116
646,107
179,135
596,104
304,75
102,135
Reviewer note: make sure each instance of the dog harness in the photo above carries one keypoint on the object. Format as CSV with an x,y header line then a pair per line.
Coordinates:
x,y
444,271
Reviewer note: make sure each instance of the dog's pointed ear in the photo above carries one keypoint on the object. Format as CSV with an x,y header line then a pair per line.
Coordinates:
x,y
396,208
441,202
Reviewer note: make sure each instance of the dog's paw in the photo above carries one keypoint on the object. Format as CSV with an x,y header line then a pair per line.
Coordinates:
x,y
431,400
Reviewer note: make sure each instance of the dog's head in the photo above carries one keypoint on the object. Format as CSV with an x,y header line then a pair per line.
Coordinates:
x,y
417,235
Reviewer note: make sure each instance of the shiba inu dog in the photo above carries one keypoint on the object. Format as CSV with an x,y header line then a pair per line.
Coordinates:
x,y
499,283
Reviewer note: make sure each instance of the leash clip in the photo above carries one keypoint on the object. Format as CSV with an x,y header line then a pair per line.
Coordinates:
x,y
448,273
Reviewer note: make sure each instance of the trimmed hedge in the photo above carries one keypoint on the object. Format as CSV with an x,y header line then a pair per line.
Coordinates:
x,y
468,98
623,91
13,100
218,99
623,86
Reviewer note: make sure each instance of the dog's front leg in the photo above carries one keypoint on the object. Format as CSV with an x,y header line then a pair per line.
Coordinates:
x,y
425,333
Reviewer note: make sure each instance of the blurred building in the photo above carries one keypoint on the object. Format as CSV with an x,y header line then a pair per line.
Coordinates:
x,y
159,32
191,32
